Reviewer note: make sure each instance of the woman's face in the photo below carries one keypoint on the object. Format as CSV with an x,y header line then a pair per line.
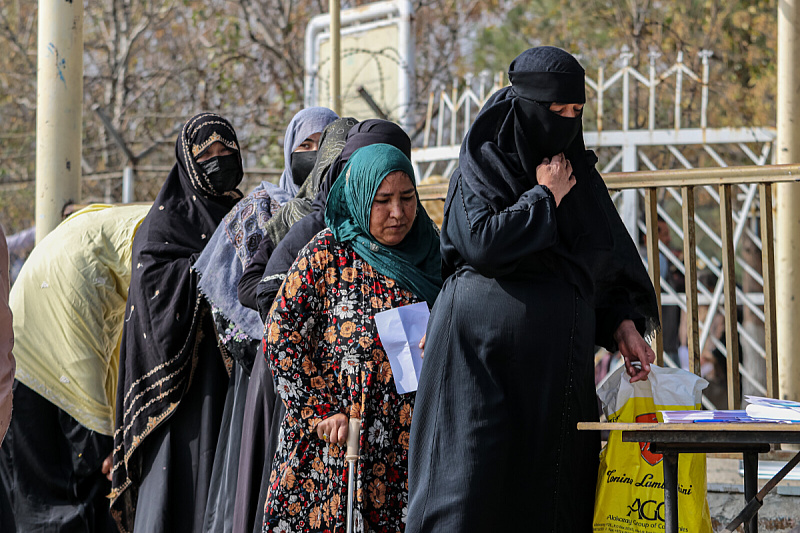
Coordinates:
x,y
311,144
216,149
566,110
393,209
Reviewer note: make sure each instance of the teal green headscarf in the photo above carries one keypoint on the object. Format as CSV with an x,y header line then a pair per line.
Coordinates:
x,y
415,264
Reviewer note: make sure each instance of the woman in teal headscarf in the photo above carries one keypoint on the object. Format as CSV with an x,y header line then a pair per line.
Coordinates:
x,y
380,251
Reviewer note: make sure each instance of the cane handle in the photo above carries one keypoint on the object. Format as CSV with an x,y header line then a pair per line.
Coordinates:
x,y
353,438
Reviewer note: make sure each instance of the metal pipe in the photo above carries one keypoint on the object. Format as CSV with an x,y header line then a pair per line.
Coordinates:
x,y
352,455
336,57
128,187
697,177
59,111
787,252
405,91
318,24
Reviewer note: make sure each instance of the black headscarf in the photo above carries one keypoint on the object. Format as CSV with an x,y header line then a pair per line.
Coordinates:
x,y
511,135
161,318
372,131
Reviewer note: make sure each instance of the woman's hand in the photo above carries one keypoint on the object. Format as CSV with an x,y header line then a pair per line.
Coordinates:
x,y
634,348
556,174
422,346
108,463
333,429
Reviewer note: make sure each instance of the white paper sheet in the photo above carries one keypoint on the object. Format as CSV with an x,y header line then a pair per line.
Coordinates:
x,y
400,330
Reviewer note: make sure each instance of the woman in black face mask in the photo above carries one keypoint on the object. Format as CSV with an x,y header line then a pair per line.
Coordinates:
x,y
300,146
172,376
539,270
222,166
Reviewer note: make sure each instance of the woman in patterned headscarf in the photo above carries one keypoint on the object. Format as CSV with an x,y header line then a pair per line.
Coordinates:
x,y
172,378
380,251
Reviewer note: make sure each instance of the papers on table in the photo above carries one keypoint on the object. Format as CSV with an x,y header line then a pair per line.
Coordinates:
x,y
400,330
759,410
705,416
773,410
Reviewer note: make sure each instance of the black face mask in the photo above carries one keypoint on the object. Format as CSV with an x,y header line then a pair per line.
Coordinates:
x,y
224,172
549,132
302,165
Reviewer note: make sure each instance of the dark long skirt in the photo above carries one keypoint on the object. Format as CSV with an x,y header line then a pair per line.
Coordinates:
x,y
51,471
262,417
222,493
507,376
177,458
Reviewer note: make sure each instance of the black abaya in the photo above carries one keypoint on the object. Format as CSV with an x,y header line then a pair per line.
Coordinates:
x,y
51,471
531,289
177,458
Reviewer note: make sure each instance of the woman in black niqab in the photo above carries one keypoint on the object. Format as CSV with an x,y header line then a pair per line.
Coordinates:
x,y
172,380
532,244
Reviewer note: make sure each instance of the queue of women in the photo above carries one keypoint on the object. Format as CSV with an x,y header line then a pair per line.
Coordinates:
x,y
249,339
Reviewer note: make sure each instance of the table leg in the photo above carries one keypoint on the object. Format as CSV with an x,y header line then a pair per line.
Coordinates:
x,y
670,463
750,487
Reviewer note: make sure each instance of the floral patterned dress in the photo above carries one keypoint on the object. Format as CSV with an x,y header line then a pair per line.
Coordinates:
x,y
323,347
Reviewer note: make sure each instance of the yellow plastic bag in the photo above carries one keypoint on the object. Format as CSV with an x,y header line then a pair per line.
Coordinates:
x,y
630,482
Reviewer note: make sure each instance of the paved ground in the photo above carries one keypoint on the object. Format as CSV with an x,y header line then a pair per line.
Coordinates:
x,y
781,510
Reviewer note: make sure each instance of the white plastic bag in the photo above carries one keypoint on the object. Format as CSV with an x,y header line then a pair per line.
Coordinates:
x,y
630,482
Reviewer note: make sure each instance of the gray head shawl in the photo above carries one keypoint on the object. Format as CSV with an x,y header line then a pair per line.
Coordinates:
x,y
331,145
305,123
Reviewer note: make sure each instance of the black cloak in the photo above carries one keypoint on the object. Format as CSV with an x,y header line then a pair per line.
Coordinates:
x,y
158,353
530,290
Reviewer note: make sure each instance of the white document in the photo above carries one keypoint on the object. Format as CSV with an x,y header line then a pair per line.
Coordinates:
x,y
400,330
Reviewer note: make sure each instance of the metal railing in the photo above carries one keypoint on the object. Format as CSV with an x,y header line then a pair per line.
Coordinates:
x,y
756,182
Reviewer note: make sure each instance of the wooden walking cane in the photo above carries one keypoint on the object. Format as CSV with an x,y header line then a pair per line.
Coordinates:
x,y
352,457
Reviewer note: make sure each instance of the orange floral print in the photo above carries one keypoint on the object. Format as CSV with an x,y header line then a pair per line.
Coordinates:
x,y
386,372
403,440
332,507
288,479
274,332
322,344
349,274
377,493
347,329
294,508
315,517
330,334
292,284
330,276
365,342
405,415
